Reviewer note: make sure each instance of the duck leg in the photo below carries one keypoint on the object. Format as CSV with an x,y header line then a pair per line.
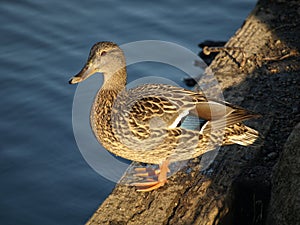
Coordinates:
x,y
151,184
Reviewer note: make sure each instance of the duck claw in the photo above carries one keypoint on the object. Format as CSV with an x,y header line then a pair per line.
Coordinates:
x,y
146,172
149,185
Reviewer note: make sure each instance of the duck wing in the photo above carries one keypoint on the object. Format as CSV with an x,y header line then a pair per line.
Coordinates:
x,y
166,106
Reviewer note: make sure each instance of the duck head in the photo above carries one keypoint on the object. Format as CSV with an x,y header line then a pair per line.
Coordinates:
x,y
106,58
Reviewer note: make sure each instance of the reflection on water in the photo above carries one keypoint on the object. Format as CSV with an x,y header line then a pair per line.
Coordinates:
x,y
44,178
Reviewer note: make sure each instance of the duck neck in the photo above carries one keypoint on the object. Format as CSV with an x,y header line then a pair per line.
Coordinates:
x,y
103,104
115,81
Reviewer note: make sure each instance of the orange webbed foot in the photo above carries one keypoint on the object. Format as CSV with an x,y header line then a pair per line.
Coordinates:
x,y
151,184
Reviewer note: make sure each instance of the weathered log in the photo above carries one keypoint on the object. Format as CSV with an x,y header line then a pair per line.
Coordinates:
x,y
262,76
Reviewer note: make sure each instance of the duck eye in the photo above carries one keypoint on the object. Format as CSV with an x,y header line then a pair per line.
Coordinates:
x,y
103,53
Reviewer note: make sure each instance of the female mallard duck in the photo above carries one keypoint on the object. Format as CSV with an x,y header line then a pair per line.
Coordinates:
x,y
144,124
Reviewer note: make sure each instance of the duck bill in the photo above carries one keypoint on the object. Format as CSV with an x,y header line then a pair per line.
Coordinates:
x,y
86,72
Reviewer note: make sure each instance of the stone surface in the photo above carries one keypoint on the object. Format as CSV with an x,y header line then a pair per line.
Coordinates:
x,y
285,199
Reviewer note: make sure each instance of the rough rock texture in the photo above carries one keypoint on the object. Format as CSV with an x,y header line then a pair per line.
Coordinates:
x,y
285,199
261,74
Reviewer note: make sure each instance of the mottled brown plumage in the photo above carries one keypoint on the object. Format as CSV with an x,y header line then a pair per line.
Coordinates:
x,y
146,123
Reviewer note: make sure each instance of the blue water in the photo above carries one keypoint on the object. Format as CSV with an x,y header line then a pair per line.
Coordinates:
x,y
44,178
